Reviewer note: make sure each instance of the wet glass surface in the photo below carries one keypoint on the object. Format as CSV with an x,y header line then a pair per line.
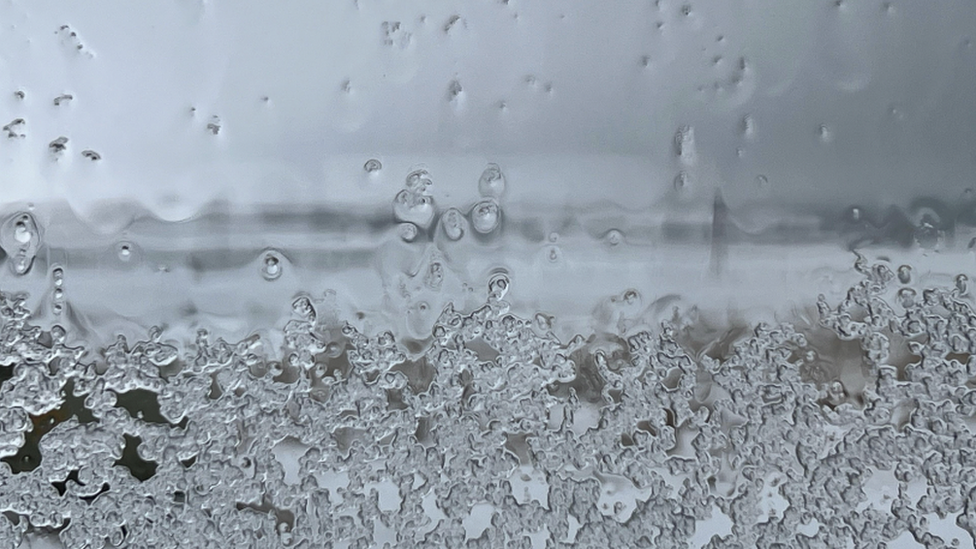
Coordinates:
x,y
361,274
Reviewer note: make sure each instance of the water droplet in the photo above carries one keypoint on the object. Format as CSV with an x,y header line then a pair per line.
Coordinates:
x,y
58,334
498,286
57,274
928,236
554,237
485,216
492,182
905,274
855,214
906,296
681,181
58,145
435,276
763,182
413,208
454,91
407,231
826,136
554,254
21,233
303,307
632,297
543,322
684,145
58,293
418,181
748,126
372,166
614,237
453,224
125,251
20,238
962,284
271,266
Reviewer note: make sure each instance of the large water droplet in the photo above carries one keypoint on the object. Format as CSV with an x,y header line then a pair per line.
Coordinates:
x,y
20,238
412,207
485,216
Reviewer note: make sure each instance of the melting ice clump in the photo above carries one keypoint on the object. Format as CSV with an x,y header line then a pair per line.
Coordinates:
x,y
497,434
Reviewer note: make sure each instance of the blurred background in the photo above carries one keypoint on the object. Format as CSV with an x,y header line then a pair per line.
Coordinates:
x,y
727,154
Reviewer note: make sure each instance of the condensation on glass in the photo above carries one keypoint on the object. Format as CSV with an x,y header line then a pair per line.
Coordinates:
x,y
364,274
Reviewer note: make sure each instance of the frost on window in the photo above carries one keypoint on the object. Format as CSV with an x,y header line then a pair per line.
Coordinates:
x,y
497,433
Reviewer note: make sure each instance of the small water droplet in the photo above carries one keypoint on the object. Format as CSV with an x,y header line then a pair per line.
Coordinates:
x,y
962,284
58,145
271,266
681,180
492,182
407,232
58,334
825,134
748,126
498,286
485,216
762,181
435,276
125,251
543,322
372,166
855,214
905,274
632,297
554,237
684,145
453,224
906,296
554,254
302,306
21,232
614,237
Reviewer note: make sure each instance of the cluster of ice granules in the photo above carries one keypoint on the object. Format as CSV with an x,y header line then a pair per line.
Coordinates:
x,y
493,433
